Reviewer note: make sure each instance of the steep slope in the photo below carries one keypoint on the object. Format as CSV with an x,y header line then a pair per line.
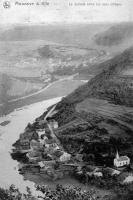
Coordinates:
x,y
111,83
89,122
97,118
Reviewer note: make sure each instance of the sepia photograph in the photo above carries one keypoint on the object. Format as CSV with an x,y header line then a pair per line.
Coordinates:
x,y
66,100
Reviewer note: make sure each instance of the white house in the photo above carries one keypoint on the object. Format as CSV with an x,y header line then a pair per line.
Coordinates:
x,y
65,157
40,133
115,172
121,161
54,124
46,163
128,179
98,174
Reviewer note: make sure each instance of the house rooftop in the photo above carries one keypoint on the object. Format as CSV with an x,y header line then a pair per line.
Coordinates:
x,y
50,141
122,158
32,154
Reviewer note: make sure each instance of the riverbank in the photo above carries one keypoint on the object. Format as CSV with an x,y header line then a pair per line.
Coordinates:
x,y
9,134
9,167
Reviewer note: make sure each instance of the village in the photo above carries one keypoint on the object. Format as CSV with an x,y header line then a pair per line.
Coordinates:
x,y
44,154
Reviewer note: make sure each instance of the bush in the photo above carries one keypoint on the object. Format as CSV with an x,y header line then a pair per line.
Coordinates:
x,y
60,193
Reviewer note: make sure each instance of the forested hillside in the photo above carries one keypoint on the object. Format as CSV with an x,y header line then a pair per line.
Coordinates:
x,y
110,84
97,117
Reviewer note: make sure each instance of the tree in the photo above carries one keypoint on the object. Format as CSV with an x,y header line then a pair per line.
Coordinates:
x,y
60,193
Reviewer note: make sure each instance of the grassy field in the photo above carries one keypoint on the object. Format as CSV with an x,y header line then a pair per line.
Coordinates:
x,y
21,88
57,89
121,115
128,72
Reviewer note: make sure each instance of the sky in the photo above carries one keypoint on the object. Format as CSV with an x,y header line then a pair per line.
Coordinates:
x,y
66,11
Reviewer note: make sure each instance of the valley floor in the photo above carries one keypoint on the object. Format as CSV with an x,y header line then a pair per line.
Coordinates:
x,y
53,90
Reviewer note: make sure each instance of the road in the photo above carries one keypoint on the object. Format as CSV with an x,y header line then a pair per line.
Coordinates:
x,y
55,137
49,113
35,93
51,129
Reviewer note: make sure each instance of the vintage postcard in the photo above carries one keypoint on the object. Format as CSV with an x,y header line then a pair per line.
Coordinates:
x,y
66,99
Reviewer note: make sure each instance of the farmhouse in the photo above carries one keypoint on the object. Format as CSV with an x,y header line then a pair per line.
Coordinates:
x,y
43,140
25,144
40,133
35,145
121,161
112,172
98,174
128,179
54,124
44,165
34,156
65,157
30,135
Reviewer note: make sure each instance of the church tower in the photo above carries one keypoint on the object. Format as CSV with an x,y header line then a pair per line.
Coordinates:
x,y
117,155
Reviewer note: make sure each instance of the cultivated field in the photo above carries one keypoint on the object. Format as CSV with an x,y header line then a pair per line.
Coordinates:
x,y
122,115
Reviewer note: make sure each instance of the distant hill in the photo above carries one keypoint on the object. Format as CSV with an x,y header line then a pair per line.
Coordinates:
x,y
109,37
65,34
115,35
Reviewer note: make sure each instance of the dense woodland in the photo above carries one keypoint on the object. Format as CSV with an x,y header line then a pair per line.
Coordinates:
x,y
59,193
64,193
108,84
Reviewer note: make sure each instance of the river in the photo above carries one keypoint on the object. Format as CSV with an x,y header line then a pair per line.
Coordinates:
x,y
17,121
9,134
18,114
11,125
